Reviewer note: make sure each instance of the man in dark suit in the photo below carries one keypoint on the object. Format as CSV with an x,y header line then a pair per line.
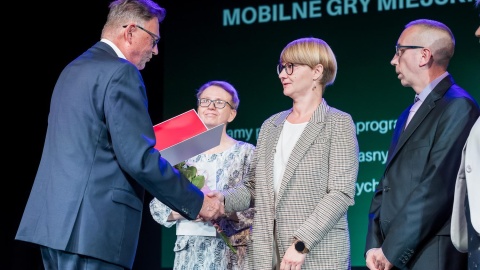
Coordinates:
x,y
85,207
409,220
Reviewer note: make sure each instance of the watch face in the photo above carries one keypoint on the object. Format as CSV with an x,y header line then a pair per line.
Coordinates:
x,y
299,246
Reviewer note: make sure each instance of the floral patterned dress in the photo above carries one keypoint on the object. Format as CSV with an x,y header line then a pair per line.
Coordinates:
x,y
209,252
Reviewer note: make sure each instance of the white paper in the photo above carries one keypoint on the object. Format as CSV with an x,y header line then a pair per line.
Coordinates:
x,y
187,227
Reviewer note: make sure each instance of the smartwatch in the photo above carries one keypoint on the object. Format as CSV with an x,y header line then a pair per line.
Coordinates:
x,y
300,246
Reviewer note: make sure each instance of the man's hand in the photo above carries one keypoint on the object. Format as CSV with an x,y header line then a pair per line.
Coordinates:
x,y
215,194
174,216
376,260
371,260
212,208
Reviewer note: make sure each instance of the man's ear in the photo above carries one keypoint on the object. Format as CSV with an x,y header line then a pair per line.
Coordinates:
x,y
427,57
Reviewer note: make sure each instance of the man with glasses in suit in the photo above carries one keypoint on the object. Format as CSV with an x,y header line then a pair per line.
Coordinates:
x,y
409,219
85,207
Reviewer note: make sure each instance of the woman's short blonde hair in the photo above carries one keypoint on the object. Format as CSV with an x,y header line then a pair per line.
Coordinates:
x,y
312,51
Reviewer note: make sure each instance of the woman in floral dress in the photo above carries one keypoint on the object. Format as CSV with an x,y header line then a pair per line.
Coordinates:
x,y
198,244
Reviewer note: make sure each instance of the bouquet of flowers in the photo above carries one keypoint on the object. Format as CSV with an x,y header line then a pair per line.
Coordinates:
x,y
190,172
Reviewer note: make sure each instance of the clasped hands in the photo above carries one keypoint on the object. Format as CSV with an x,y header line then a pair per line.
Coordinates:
x,y
376,260
213,206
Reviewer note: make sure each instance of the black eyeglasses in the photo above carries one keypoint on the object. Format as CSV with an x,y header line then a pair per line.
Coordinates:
x,y
288,68
400,48
155,38
219,104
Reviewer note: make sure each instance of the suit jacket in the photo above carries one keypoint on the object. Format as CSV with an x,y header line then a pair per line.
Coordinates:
x,y
411,209
468,179
317,188
97,161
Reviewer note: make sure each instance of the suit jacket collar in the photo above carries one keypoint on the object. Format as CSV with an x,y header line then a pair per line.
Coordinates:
x,y
105,47
401,136
314,128
318,115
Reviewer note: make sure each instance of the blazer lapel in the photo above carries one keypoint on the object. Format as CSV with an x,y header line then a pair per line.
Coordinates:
x,y
400,126
314,127
271,141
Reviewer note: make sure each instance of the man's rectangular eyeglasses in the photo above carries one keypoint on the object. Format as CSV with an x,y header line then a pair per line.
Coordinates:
x,y
155,38
288,68
219,104
400,48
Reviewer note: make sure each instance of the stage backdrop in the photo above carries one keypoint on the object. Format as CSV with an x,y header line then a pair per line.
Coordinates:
x,y
240,41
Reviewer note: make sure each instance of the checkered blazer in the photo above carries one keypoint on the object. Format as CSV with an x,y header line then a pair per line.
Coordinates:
x,y
317,188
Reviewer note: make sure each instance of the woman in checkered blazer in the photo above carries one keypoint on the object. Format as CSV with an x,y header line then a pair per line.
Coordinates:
x,y
302,178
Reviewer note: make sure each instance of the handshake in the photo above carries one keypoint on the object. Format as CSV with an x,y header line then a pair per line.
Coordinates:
x,y
213,206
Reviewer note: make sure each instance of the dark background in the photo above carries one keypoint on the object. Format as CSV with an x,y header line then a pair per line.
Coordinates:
x,y
47,35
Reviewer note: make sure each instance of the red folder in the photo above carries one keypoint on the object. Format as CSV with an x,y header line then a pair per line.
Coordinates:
x,y
184,136
177,129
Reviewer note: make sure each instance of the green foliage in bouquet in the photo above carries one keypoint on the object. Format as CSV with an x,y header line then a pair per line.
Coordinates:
x,y
191,173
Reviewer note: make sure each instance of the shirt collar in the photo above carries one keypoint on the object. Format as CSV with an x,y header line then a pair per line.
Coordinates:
x,y
426,91
114,47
